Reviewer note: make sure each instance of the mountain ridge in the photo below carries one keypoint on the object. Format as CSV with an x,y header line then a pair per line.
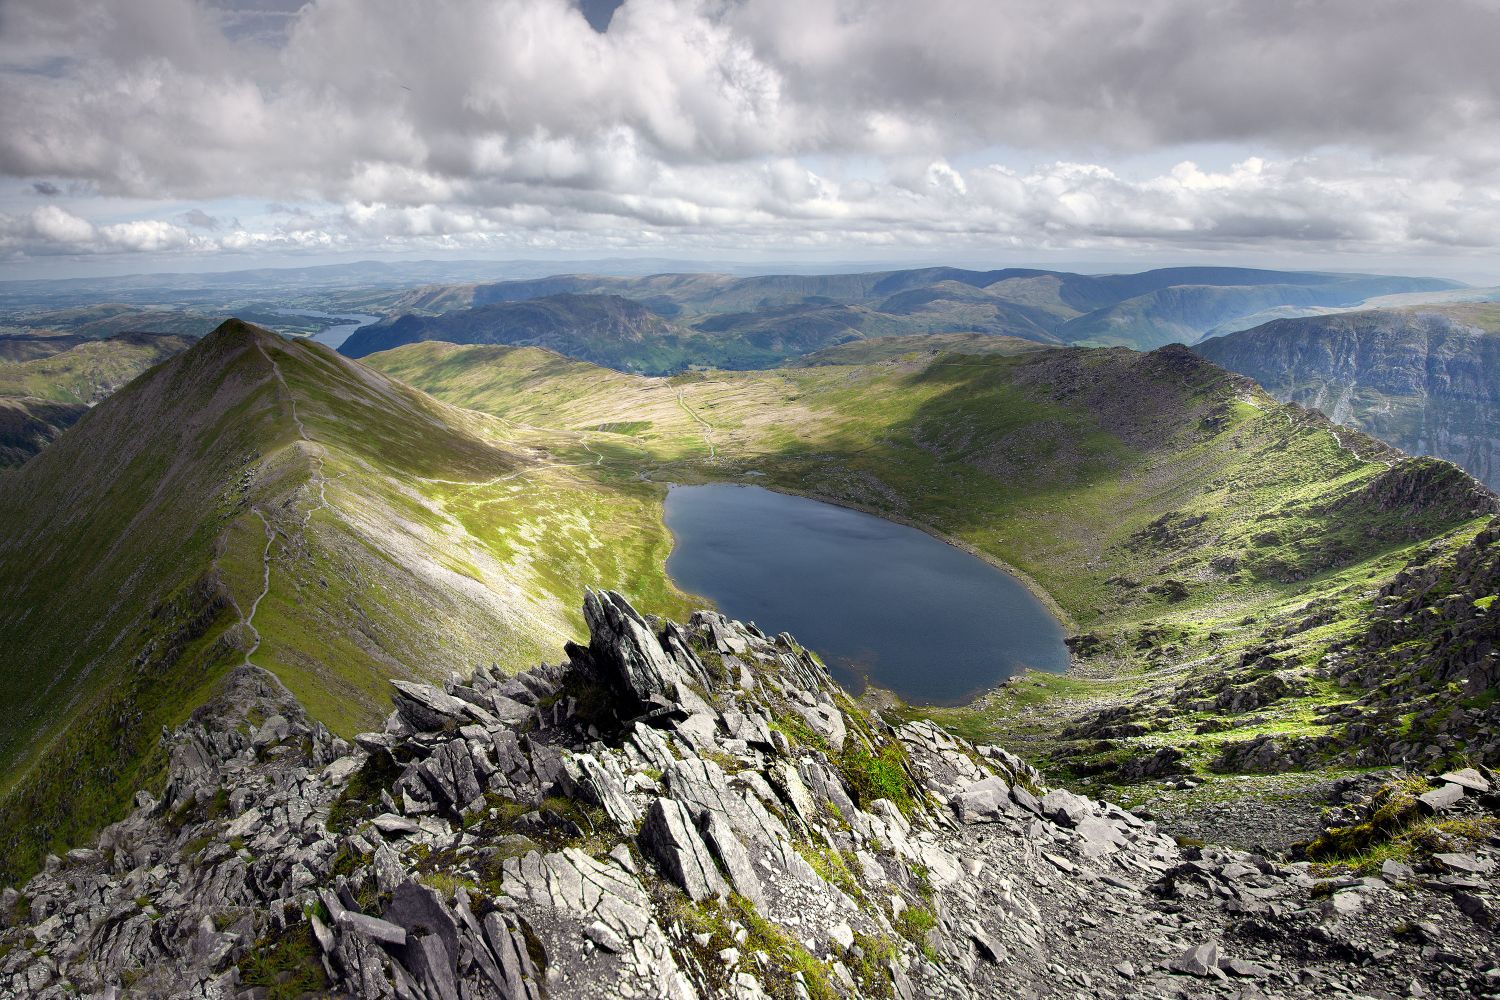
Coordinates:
x,y
1422,379
754,834
249,474
1143,310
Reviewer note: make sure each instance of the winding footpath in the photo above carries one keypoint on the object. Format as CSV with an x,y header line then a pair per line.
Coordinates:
x,y
265,586
1382,461
322,480
1388,463
708,428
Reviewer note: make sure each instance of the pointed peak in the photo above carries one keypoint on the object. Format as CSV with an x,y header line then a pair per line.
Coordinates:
x,y
234,329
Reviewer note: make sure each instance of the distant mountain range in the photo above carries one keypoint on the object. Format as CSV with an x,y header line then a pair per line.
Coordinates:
x,y
1426,380
716,320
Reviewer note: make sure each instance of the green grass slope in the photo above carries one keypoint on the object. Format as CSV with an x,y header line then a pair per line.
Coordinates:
x,y
88,372
266,499
1172,512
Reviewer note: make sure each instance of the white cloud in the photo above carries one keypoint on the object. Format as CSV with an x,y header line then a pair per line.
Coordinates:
x,y
54,224
457,122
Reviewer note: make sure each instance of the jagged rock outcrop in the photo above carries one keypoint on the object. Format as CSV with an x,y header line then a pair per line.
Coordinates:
x,y
682,811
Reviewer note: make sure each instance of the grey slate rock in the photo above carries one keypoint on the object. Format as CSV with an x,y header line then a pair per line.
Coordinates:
x,y
734,858
625,652
1026,800
426,709
984,801
1443,798
420,911
1243,968
1200,960
1065,808
1467,778
518,974
669,836
371,927
1395,871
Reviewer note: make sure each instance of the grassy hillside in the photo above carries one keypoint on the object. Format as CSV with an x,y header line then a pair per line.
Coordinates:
x,y
1050,460
1174,513
911,346
264,499
89,371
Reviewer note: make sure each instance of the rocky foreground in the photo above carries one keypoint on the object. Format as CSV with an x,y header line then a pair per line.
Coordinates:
x,y
691,811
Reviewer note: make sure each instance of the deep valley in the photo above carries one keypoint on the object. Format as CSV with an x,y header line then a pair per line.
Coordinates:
x,y
247,549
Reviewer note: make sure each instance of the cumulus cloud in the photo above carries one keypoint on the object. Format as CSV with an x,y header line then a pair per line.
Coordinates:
x,y
480,122
54,230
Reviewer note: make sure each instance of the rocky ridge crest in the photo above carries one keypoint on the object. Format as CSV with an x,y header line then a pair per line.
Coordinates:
x,y
683,811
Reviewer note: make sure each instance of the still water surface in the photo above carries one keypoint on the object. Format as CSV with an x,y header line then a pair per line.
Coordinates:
x,y
333,336
875,599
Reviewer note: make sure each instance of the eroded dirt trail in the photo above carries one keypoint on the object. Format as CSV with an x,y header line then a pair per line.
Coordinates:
x,y
708,428
265,586
272,531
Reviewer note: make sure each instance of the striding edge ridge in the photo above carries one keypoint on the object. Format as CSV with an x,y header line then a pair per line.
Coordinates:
x,y
683,811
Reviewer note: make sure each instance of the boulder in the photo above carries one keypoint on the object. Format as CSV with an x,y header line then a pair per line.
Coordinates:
x,y
428,710
1240,967
1442,798
1064,808
1395,871
1202,960
1026,800
371,927
826,721
732,855
1467,778
1098,836
625,654
984,801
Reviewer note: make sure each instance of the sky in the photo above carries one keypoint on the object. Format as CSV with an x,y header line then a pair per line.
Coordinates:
x,y
144,135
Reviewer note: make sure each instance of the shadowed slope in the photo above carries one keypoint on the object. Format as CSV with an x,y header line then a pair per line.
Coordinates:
x,y
29,424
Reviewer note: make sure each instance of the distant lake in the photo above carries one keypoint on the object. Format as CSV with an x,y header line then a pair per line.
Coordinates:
x,y
873,598
333,336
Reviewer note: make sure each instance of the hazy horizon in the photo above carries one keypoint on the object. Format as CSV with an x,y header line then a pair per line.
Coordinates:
x,y
133,266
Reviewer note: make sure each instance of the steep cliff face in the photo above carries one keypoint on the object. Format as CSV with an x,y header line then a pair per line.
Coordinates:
x,y
1425,381
685,811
